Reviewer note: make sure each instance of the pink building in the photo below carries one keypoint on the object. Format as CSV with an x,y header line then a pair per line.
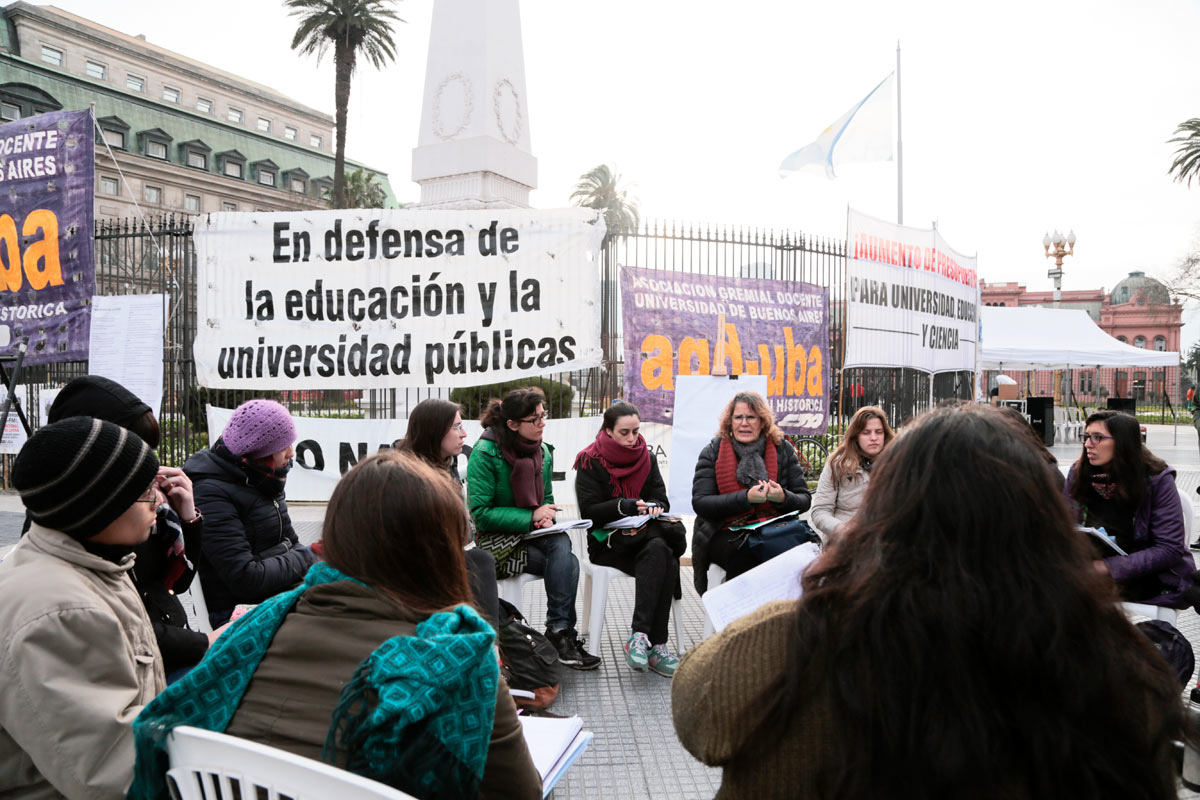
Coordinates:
x,y
1139,311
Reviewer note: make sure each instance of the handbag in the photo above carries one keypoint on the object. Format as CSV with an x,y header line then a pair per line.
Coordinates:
x,y
529,660
774,538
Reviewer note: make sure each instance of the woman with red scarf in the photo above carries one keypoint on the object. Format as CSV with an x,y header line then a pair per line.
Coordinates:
x,y
748,472
616,476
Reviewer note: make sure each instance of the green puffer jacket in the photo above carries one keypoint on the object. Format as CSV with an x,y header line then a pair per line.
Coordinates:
x,y
501,526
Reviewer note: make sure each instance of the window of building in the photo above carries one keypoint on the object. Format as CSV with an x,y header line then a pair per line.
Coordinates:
x,y
170,95
97,70
314,140
191,202
8,111
289,133
153,195
52,55
298,185
231,164
156,149
1139,341
1139,385
1122,340
266,177
1160,344
204,105
264,125
115,139
326,192
197,159
1085,382
108,185
233,169
228,206
135,84
235,115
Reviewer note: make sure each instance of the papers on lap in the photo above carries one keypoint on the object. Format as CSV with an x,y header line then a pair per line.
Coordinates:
x,y
637,521
777,579
569,525
756,525
1108,546
554,744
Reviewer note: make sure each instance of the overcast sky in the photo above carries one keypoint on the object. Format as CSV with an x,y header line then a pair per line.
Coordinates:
x,y
1017,117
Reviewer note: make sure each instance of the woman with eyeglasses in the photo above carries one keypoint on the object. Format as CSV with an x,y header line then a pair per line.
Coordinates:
x,y
748,473
435,435
1119,485
510,495
847,471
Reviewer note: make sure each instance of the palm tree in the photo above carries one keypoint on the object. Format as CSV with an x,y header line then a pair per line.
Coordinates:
x,y
599,189
354,27
362,191
1187,156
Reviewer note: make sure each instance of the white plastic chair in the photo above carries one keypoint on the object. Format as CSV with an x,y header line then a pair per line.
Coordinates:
x,y
513,589
213,766
197,610
595,595
716,576
1162,612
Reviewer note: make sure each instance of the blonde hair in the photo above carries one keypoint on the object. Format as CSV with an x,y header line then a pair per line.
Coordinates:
x,y
760,408
849,456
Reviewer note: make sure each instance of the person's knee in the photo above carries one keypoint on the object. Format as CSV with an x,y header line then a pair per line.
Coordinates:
x,y
480,559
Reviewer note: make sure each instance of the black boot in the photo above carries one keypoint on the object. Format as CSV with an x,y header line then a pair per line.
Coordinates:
x,y
570,650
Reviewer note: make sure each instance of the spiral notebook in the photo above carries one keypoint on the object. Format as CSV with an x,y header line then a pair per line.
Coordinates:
x,y
554,743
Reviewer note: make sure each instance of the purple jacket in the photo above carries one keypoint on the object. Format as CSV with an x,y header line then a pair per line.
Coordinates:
x,y
1159,519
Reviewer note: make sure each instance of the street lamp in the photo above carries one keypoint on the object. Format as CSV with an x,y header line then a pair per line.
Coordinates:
x,y
1058,254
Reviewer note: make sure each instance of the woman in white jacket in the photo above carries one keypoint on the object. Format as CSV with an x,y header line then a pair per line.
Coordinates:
x,y
847,471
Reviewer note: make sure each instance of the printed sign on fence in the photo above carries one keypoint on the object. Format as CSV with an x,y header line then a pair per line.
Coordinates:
x,y
47,275
912,300
778,329
359,299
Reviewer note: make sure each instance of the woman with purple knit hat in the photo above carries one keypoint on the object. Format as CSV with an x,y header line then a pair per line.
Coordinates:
x,y
250,550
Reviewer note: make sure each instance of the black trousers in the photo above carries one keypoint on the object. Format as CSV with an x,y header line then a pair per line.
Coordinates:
x,y
481,575
723,551
655,570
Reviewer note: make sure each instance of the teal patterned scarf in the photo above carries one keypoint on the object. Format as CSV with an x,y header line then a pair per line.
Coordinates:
x,y
417,714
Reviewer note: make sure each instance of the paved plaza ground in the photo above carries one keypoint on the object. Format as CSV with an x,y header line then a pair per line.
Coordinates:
x,y
635,753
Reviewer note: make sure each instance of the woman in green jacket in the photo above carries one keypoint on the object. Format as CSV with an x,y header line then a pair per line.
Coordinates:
x,y
510,496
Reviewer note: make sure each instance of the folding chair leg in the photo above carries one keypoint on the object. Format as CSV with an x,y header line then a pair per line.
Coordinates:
x,y
597,601
677,618
587,605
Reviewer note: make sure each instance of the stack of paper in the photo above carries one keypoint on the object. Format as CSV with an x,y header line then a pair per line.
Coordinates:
x,y
554,744
569,525
777,579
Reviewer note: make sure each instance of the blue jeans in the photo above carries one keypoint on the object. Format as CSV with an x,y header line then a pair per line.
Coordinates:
x,y
550,556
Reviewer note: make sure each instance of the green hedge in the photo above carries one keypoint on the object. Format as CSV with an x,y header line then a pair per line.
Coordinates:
x,y
474,399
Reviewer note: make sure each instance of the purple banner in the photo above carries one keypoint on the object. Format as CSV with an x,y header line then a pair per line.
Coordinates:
x,y
47,272
775,328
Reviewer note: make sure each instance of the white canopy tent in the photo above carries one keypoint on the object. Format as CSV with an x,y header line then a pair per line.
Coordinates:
x,y
1056,338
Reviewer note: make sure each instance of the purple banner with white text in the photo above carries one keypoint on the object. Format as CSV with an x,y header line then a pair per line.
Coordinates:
x,y
779,329
47,272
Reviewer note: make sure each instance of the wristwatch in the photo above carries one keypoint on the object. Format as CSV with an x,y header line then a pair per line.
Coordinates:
x,y
194,519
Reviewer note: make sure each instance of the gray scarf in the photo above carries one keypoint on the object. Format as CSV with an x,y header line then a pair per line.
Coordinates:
x,y
751,467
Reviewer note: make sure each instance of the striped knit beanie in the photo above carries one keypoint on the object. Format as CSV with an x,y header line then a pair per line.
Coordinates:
x,y
80,474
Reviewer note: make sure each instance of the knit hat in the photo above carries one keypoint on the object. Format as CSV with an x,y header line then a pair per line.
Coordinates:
x,y
80,474
259,428
95,396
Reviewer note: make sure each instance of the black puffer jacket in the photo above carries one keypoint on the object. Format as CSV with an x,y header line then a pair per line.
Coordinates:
x,y
249,551
713,508
180,647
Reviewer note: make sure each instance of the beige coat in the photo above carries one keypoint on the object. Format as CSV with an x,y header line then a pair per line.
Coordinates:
x,y
836,502
78,660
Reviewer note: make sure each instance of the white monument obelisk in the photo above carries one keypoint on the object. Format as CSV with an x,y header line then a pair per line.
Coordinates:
x,y
473,150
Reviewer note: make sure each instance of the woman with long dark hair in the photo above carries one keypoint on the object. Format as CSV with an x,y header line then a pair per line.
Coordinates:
x,y
435,435
847,471
748,473
956,643
510,495
376,663
1119,485
617,476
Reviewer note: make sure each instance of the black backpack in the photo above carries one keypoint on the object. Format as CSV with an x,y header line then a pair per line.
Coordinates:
x,y
1174,647
529,661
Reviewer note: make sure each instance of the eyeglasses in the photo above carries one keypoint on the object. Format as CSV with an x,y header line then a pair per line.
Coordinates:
x,y
149,496
1096,438
537,419
458,428
745,418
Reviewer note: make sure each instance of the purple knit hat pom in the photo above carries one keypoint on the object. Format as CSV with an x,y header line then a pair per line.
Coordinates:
x,y
259,428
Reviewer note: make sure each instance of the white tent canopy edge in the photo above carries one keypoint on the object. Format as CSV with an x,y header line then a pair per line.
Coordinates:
x,y
1056,338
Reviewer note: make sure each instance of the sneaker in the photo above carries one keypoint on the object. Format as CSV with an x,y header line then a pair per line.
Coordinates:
x,y
636,655
570,650
662,662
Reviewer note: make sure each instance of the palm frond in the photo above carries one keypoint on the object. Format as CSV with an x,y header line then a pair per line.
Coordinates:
x,y
1186,165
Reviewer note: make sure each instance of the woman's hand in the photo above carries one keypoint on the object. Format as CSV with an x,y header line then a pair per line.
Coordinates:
x,y
216,634
543,516
653,510
177,486
1101,567
758,493
775,492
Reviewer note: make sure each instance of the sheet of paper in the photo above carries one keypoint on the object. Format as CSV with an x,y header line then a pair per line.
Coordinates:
x,y
548,738
777,579
126,344
569,525
628,522
574,751
14,436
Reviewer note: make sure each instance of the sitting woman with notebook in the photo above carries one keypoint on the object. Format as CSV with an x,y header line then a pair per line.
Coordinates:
x,y
956,643
377,663
617,477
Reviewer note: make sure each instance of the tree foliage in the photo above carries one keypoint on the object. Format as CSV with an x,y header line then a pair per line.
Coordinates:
x,y
362,191
600,189
353,28
1187,155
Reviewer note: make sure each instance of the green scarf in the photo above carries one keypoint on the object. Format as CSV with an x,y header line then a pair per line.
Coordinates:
x,y
417,714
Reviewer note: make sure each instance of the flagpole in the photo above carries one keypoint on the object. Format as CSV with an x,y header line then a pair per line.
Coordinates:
x,y
899,147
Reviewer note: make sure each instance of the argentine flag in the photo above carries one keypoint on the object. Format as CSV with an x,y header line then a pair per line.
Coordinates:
x,y
864,133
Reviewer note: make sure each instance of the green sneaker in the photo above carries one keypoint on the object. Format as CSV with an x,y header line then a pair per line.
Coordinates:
x,y
662,662
635,652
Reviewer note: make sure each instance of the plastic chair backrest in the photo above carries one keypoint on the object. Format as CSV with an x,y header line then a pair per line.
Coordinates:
x,y
194,606
1189,516
213,766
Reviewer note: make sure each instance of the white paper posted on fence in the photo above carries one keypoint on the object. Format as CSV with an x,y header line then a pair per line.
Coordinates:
x,y
365,299
127,343
777,579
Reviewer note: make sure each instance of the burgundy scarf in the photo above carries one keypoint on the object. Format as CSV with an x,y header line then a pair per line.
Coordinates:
x,y
528,487
727,482
628,467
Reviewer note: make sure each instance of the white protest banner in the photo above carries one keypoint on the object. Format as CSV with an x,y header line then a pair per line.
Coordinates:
x,y
912,300
328,448
359,299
